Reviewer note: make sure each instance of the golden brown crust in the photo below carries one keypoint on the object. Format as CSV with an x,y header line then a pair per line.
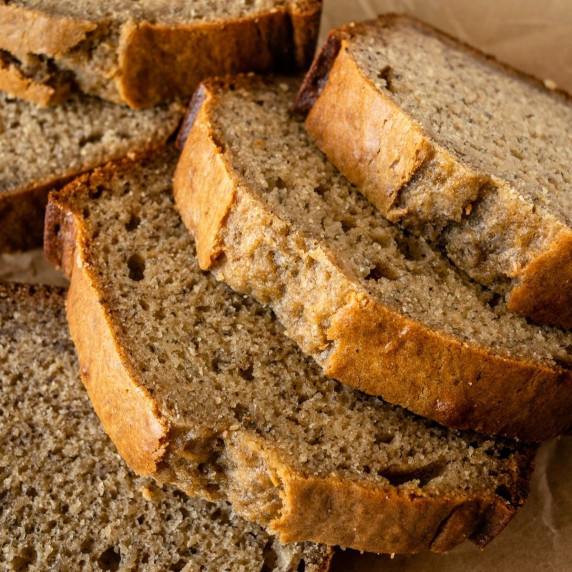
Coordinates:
x,y
366,120
543,291
371,119
382,519
377,146
13,81
390,521
374,348
157,63
27,31
205,166
435,375
126,409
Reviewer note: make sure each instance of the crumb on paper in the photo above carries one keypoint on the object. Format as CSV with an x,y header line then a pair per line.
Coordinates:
x,y
550,84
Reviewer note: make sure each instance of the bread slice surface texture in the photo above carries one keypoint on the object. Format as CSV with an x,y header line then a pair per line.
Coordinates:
x,y
68,500
376,307
144,53
455,147
198,386
42,149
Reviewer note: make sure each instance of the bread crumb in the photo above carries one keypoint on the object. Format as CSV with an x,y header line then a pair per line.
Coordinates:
x,y
146,492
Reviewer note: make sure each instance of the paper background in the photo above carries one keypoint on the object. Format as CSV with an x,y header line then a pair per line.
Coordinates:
x,y
534,35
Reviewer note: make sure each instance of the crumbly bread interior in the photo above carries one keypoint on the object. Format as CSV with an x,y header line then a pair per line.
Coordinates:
x,y
38,146
271,152
484,115
68,500
222,372
163,11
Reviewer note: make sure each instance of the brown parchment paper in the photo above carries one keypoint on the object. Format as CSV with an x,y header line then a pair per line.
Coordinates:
x,y
536,36
30,267
532,35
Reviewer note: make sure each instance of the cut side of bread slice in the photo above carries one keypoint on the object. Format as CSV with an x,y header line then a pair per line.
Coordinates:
x,y
144,53
42,149
198,386
456,147
376,307
68,500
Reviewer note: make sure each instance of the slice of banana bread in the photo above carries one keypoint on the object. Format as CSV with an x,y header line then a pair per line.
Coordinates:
x,y
68,501
198,386
456,147
147,52
42,149
376,307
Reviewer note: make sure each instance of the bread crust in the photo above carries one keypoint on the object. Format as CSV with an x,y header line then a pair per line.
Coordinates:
x,y
321,509
26,31
367,345
543,290
336,87
384,353
158,63
13,81
391,521
126,409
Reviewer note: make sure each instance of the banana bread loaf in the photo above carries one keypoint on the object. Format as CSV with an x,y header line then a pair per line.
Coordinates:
x,y
456,147
198,386
375,306
68,500
146,52
41,149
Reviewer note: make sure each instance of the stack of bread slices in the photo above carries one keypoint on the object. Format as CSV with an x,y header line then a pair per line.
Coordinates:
x,y
286,359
